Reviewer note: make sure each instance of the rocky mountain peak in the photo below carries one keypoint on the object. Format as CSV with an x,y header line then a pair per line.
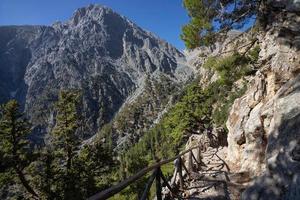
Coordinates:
x,y
97,51
92,12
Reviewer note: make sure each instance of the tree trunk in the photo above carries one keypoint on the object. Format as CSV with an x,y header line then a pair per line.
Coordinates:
x,y
25,183
69,159
262,14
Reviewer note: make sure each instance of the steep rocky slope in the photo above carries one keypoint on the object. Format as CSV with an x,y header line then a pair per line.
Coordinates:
x,y
263,124
103,54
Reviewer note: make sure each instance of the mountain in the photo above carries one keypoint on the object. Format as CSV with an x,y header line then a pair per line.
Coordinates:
x,y
99,52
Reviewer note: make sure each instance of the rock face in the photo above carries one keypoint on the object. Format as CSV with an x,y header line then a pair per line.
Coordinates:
x,y
97,51
246,138
264,124
281,179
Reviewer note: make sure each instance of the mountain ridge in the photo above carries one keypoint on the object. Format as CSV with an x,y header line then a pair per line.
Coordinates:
x,y
96,50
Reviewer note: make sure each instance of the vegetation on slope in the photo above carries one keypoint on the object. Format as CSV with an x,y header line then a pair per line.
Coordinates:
x,y
197,110
62,170
137,116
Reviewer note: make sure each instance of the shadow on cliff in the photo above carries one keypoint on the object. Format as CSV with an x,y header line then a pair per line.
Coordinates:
x,y
282,178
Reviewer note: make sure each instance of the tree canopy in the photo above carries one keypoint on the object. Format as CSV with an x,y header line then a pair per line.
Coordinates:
x,y
211,19
14,147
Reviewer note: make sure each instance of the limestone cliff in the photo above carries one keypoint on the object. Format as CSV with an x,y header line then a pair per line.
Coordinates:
x,y
264,123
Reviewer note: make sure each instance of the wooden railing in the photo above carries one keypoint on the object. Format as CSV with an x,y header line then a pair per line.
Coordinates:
x,y
158,175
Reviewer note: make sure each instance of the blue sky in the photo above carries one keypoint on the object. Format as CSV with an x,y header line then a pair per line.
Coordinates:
x,y
162,17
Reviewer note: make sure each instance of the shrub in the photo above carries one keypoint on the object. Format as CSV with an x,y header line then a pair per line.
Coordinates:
x,y
233,67
254,54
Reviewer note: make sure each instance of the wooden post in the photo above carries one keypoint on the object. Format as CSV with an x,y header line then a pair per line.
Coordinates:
x,y
180,172
195,159
173,180
148,186
107,193
158,184
167,183
190,162
187,171
199,158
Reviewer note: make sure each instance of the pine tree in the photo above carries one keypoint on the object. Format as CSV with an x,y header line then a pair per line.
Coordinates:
x,y
66,141
210,20
14,146
94,162
46,174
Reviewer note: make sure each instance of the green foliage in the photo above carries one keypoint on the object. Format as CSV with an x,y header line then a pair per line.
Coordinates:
x,y
66,141
198,109
15,154
205,14
67,121
166,138
13,131
60,170
230,68
5,178
91,171
190,33
64,171
94,165
254,54
137,116
233,67
46,175
221,112
200,24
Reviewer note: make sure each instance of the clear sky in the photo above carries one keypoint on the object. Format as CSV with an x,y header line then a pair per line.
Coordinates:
x,y
162,17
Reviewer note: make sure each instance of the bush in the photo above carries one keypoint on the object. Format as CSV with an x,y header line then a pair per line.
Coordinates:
x,y
254,54
233,67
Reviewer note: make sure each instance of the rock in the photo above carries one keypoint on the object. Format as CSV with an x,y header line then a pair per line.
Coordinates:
x,y
282,175
238,120
253,152
261,130
263,124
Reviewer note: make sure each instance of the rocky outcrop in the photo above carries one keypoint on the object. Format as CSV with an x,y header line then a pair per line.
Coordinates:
x,y
246,131
97,51
281,179
263,124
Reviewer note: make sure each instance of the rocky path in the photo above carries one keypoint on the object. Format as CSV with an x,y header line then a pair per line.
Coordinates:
x,y
214,180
